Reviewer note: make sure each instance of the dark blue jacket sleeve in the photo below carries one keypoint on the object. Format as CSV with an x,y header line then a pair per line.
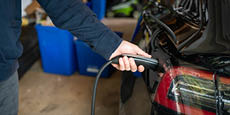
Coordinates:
x,y
75,16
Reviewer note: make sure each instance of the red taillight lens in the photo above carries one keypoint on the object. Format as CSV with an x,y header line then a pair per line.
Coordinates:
x,y
191,91
198,92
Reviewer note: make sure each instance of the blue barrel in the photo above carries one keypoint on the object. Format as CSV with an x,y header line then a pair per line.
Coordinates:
x,y
57,50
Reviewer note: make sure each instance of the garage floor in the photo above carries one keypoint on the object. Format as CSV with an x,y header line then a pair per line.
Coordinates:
x,y
47,94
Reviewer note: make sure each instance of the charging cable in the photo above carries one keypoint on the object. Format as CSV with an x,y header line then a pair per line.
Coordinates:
x,y
139,60
95,86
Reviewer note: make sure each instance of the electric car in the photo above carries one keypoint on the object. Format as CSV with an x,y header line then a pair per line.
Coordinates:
x,y
191,39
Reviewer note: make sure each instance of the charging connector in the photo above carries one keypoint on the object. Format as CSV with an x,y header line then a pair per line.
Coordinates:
x,y
139,60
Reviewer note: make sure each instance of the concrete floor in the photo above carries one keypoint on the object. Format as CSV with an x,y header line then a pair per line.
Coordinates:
x,y
48,94
139,103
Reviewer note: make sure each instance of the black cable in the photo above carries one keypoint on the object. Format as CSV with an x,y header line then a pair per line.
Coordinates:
x,y
95,86
153,38
139,60
168,30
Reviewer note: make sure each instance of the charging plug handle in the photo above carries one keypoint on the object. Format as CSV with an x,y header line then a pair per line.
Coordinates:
x,y
141,60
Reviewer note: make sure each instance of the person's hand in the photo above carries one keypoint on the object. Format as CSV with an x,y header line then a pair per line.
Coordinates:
x,y
126,63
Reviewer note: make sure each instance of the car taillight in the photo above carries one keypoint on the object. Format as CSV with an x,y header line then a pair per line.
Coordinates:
x,y
191,91
198,92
